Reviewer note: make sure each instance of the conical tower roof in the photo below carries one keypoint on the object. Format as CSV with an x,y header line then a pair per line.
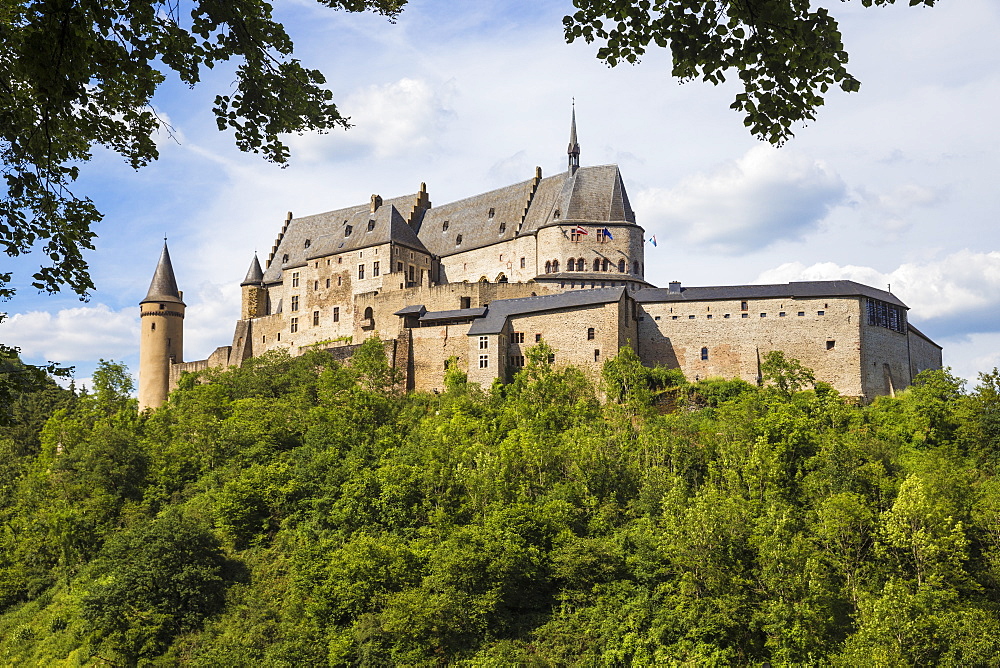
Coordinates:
x,y
163,287
255,275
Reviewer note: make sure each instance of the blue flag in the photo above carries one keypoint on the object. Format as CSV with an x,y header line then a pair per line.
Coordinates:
x,y
607,233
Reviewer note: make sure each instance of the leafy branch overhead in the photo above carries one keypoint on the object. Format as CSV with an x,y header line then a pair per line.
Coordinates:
x,y
75,74
786,54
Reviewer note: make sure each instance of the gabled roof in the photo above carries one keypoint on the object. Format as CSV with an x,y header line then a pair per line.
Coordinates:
x,y
794,289
163,287
326,234
501,309
590,195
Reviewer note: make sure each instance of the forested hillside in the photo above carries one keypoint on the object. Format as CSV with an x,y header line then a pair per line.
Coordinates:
x,y
298,512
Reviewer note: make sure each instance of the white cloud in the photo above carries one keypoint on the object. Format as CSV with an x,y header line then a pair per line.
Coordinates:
x,y
389,120
892,210
963,287
72,334
766,196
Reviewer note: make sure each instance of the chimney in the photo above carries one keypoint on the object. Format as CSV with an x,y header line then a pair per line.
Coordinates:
x,y
376,203
674,286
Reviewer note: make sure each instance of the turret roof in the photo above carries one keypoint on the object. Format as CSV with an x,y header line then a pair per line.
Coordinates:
x,y
254,274
163,287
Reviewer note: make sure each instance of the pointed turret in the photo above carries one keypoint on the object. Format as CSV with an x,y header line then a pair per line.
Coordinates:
x,y
574,146
254,274
163,287
161,342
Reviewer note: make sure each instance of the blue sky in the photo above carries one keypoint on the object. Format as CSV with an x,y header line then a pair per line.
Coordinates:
x,y
894,185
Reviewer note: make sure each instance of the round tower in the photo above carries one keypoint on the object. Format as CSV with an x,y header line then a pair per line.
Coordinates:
x,y
161,343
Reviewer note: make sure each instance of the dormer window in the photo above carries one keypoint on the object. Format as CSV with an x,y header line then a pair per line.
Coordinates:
x,y
492,212
458,240
284,258
371,225
348,230
503,227
444,226
555,216
307,243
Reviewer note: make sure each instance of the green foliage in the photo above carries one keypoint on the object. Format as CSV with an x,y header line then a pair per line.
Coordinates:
x,y
786,53
296,511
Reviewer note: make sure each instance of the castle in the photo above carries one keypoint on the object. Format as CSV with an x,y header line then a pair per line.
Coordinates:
x,y
559,259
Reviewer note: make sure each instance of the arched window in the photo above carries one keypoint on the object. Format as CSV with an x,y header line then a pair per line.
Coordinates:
x,y
555,266
704,353
483,279
581,265
548,267
635,267
597,264
621,266
605,264
501,278
571,264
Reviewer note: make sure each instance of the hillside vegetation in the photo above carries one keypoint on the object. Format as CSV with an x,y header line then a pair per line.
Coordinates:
x,y
298,512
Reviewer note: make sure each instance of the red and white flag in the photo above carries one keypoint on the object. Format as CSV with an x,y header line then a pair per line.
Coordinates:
x,y
580,230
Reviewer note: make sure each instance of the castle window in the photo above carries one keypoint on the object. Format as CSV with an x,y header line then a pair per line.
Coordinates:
x,y
538,338
340,260
556,214
548,267
465,302
656,317
484,342
830,345
458,240
484,361
673,317
263,338
801,313
295,302
492,213
371,225
328,262
348,230
621,266
606,264
153,327
820,312
444,226
726,316
744,315
763,315
294,326
781,314
709,316
503,228
597,354
743,306
690,317
308,243
704,353
336,314
581,265
555,266
284,258
552,358
571,264
163,306
375,268
340,280
295,279
883,314
399,267
635,267
517,337
279,336
315,285
590,334
597,265
361,271
575,234
328,282
315,318
522,263
517,360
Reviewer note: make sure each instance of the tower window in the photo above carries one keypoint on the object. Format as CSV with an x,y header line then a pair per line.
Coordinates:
x,y
295,279
484,343
328,282
597,354
484,361
348,230
295,302
743,306
336,314
284,258
361,271
294,325
522,263
153,327
371,225
556,214
375,268
621,266
590,334
315,285
704,353
163,306
830,345
315,318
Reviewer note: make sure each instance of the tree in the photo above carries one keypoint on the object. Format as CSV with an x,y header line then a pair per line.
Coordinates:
x,y
80,74
787,54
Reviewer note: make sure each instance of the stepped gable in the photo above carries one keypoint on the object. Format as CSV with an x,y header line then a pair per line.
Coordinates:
x,y
793,289
500,309
548,198
163,287
470,217
325,233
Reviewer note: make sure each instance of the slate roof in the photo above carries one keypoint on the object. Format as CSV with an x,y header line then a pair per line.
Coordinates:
x,y
254,274
325,233
592,276
590,195
456,314
163,287
793,289
501,309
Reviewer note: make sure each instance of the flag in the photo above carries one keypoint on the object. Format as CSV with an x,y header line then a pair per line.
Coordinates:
x,y
607,233
579,230
652,240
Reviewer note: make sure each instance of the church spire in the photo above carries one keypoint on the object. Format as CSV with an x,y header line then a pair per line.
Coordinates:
x,y
163,287
574,146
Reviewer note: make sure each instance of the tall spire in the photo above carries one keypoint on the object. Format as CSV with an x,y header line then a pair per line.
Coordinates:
x,y
163,287
254,274
574,146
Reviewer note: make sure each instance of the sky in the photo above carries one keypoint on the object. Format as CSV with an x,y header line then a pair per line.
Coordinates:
x,y
894,186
